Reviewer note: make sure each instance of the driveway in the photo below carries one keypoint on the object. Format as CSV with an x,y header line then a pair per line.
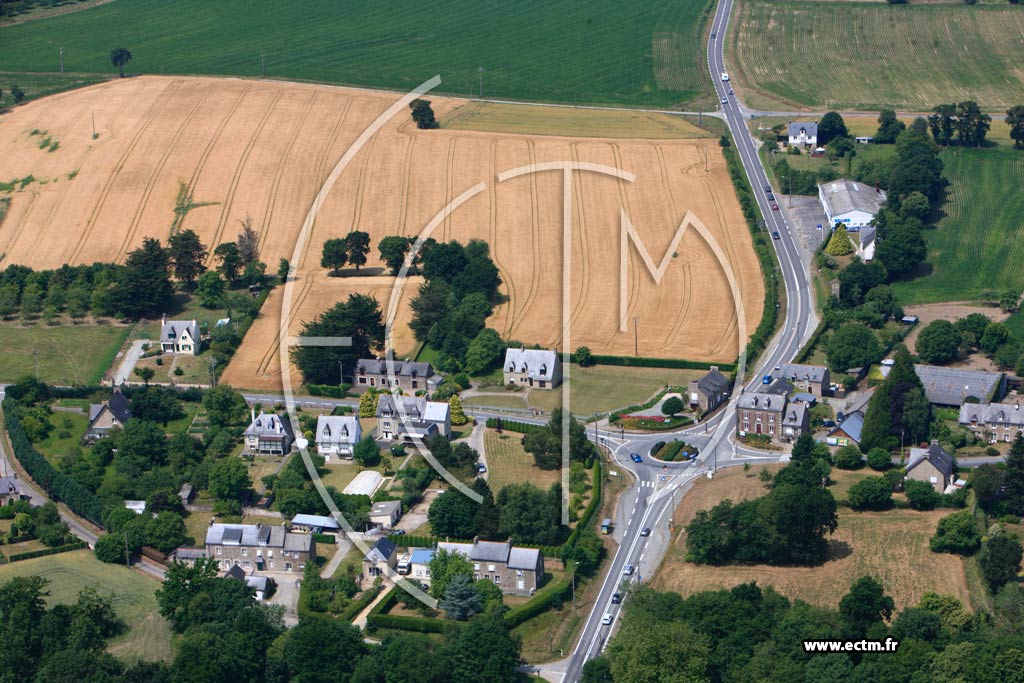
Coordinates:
x,y
131,357
286,595
417,517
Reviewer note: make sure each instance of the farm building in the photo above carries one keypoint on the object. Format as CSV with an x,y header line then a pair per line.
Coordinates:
x,y
268,434
313,524
993,421
954,386
114,412
364,484
810,378
709,391
337,435
417,419
179,336
932,465
539,368
851,203
803,133
848,431
513,570
409,376
386,513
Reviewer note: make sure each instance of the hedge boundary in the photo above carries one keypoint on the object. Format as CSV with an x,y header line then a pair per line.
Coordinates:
x,y
514,426
48,551
328,390
57,485
671,363
377,619
539,603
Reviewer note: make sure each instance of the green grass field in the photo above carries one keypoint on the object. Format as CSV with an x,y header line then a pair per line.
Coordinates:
x,y
870,55
36,85
508,463
148,636
605,387
978,245
606,51
77,354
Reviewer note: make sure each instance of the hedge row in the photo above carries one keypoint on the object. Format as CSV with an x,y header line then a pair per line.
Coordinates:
x,y
377,619
765,255
676,363
324,538
540,602
413,541
587,518
356,606
327,390
48,551
513,426
189,394
60,487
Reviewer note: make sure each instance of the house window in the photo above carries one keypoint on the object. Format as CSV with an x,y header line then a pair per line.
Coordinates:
x,y
771,418
271,564
497,578
302,565
270,553
415,384
245,564
371,382
220,551
362,380
476,577
771,429
245,552
746,415
490,567
476,566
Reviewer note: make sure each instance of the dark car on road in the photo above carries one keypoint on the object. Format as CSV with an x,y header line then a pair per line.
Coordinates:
x,y
646,531
616,598
635,457
776,235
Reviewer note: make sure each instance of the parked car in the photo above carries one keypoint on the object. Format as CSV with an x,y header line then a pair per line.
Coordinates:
x,y
828,423
635,457
646,531
628,570
776,235
616,598
398,532
481,468
607,619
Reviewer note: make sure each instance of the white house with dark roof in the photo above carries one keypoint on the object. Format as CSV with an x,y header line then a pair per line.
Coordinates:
x,y
413,419
851,203
114,412
514,570
538,368
932,465
993,422
803,133
268,434
10,490
337,435
179,336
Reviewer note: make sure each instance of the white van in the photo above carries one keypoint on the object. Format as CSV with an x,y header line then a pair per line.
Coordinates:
x,y
725,76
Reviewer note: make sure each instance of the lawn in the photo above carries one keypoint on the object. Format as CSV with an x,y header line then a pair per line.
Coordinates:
x,y
603,388
910,56
148,636
891,546
181,307
508,463
650,52
493,117
977,245
66,431
77,354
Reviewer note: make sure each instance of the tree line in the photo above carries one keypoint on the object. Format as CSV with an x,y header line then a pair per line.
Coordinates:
x,y
942,341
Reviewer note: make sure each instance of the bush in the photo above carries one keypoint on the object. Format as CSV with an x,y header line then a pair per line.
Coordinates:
x,y
956,533
922,496
873,493
462,379
324,538
556,591
672,405
879,459
513,426
849,458
49,551
110,549
327,390
583,357
632,361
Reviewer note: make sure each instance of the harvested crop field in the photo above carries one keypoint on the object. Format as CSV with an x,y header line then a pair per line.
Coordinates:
x,y
263,149
892,546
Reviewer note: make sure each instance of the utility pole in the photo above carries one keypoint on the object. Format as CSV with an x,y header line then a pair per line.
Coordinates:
x,y
700,115
93,125
636,337
341,376
480,72
263,64
127,557
705,157
61,50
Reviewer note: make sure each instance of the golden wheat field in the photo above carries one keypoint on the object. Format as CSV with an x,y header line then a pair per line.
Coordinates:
x,y
219,150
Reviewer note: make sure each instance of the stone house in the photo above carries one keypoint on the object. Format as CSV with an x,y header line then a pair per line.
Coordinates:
x,y
760,413
409,376
179,336
933,465
259,547
796,421
710,391
422,419
114,412
993,422
514,570
814,379
537,368
268,434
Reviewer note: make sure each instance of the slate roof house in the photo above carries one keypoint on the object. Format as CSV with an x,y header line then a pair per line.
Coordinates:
x,y
760,413
514,570
422,419
337,435
380,558
795,421
993,422
179,336
814,379
114,412
847,432
710,391
955,386
10,491
539,368
409,376
260,547
268,434
803,133
851,203
933,465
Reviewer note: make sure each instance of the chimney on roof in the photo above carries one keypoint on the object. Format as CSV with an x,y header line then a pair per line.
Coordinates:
x,y
714,368
212,520
476,539
252,413
259,525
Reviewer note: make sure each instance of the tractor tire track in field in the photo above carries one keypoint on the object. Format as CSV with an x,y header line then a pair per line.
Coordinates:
x,y
222,223
357,207
635,273
732,329
403,209
268,212
147,120
275,346
492,233
449,188
683,309
579,235
155,174
535,234
322,168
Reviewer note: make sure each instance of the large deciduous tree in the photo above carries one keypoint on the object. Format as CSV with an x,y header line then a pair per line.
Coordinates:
x,y
831,126
335,255
357,246
120,57
187,254
1015,120
393,250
